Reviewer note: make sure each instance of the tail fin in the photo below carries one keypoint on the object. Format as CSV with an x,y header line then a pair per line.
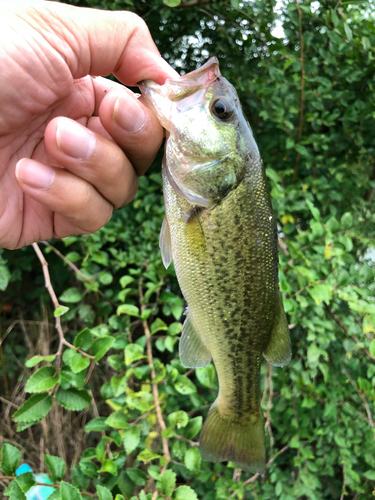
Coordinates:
x,y
242,443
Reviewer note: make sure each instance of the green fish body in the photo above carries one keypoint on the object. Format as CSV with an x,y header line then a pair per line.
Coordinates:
x,y
221,234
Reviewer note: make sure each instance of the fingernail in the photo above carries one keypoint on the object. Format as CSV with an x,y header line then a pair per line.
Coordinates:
x,y
34,174
74,139
129,114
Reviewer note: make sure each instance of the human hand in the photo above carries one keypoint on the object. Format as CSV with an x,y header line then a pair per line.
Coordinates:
x,y
72,145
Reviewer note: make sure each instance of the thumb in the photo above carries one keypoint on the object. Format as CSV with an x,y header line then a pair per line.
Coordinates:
x,y
97,42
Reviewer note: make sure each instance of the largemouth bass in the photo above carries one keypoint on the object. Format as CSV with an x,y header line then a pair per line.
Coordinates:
x,y
220,232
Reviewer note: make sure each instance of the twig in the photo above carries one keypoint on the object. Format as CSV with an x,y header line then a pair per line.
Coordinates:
x,y
302,92
194,3
67,261
182,438
155,391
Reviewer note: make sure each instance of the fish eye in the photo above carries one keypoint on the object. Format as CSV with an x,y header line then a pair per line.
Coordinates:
x,y
222,108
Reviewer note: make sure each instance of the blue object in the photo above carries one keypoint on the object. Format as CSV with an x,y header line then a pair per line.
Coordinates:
x,y
37,492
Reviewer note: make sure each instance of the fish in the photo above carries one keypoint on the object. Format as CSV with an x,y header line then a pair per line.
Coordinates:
x,y
220,232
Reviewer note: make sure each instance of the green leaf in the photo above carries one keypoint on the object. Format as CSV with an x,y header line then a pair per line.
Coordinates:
x,y
138,476
128,309
178,418
78,362
25,481
69,492
25,425
320,293
103,493
119,384
42,380
14,491
171,3
97,424
133,352
235,4
83,340
73,399
4,278
185,493
346,220
184,385
167,483
206,376
101,346
193,459
10,459
109,466
38,359
372,347
34,408
348,32
126,280
79,479
132,438
193,427
71,296
370,474
158,325
146,456
174,329
117,420
56,467
60,311
313,210
106,278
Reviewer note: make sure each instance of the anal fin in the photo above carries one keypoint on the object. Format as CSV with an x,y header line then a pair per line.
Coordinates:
x,y
165,244
193,352
278,351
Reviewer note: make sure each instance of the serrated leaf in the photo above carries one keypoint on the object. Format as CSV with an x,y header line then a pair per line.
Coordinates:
x,y
25,425
55,495
185,493
109,466
73,399
146,456
184,385
83,339
193,427
174,328
128,309
166,483
117,420
69,492
42,380
10,458
97,424
119,384
71,295
132,438
103,493
25,481
60,311
138,476
34,408
193,459
30,363
14,491
79,479
56,467
133,352
206,376
178,418
101,346
78,363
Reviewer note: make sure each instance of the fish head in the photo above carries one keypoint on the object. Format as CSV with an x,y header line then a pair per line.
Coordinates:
x,y
208,137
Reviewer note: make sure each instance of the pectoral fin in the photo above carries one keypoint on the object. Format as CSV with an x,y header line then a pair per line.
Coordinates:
x,y
193,353
165,244
278,351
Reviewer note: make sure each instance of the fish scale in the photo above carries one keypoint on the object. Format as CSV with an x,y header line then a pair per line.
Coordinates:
x,y
221,234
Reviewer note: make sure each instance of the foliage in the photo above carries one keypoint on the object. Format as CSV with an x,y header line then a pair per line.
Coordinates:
x,y
309,98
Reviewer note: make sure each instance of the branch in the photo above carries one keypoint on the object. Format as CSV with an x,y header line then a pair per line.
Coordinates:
x,y
194,3
52,294
155,391
302,92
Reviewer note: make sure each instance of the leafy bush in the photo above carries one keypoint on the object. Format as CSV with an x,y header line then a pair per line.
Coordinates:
x,y
111,379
